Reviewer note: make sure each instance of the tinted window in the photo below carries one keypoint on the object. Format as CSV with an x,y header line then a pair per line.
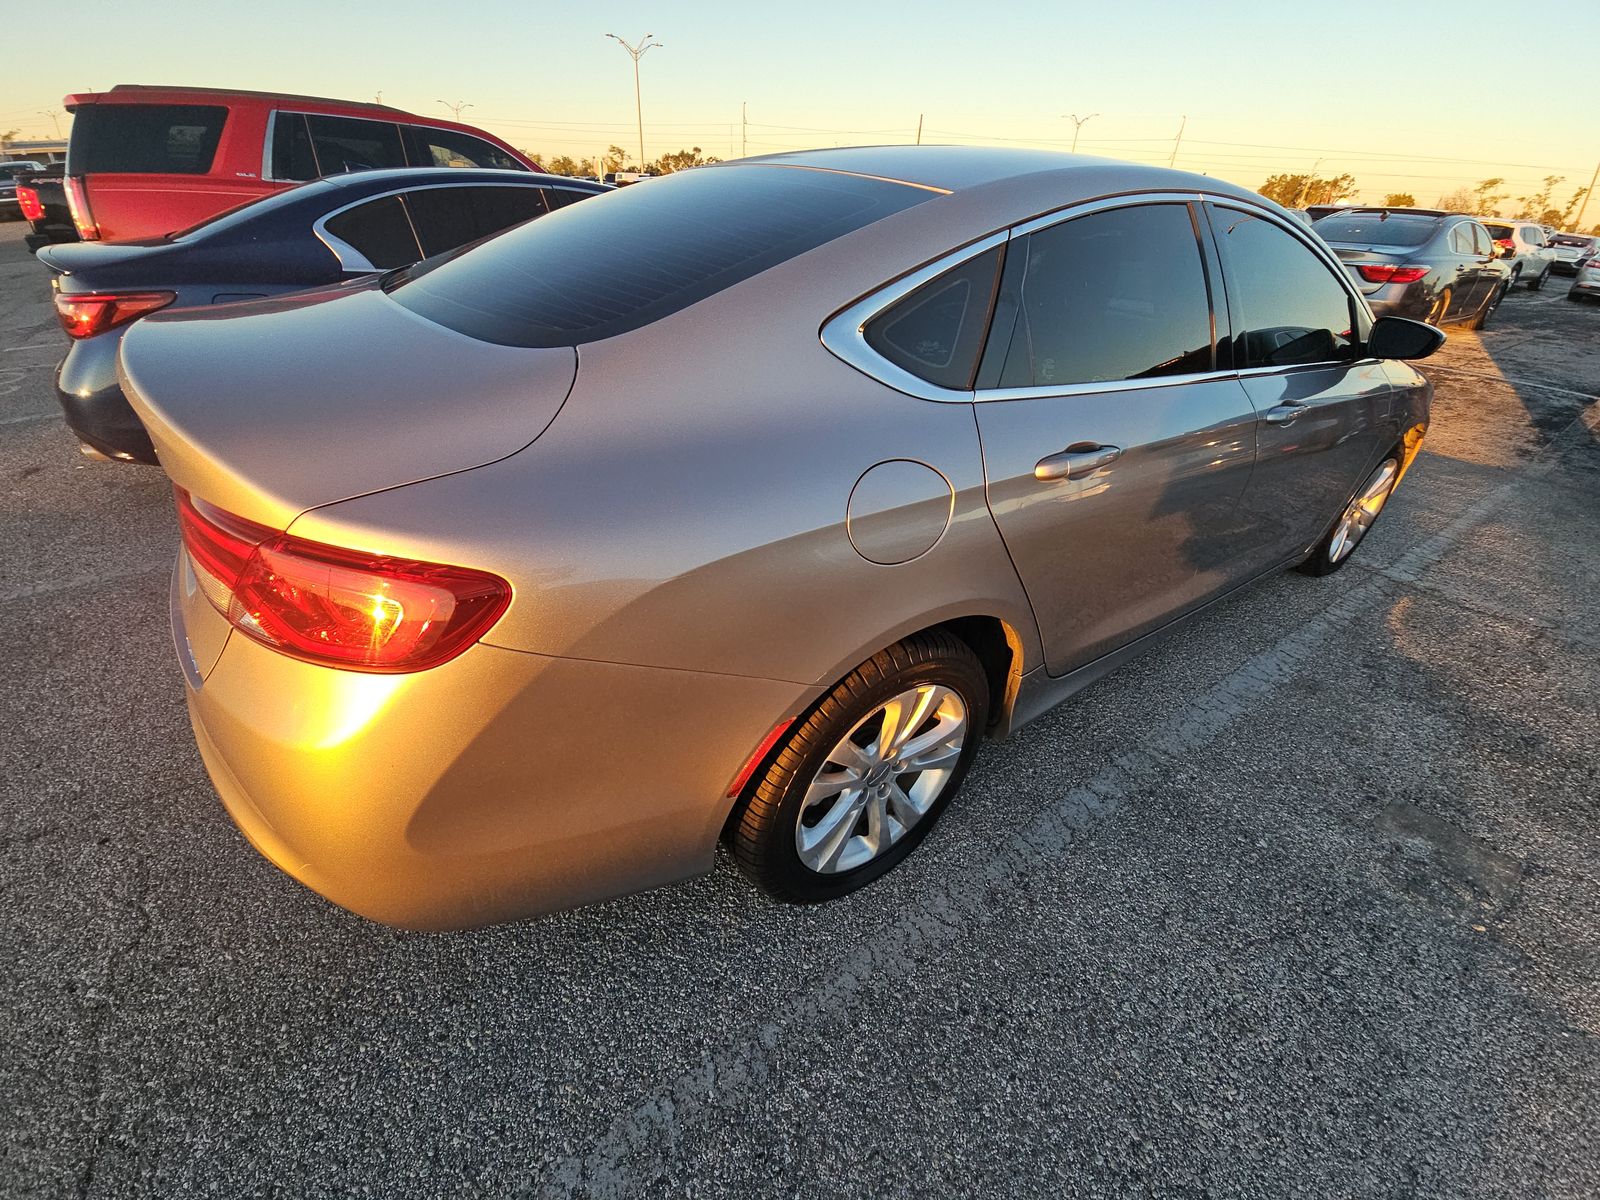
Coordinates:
x,y
291,148
1480,240
1533,236
380,231
165,139
1113,295
1501,231
1288,307
447,148
634,256
1461,239
447,217
1374,229
935,333
342,144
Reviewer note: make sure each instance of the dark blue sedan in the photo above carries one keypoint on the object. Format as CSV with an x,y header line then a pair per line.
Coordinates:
x,y
320,234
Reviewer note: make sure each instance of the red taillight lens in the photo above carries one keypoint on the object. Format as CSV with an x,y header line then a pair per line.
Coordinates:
x,y
1384,273
1505,243
78,206
28,201
84,316
337,607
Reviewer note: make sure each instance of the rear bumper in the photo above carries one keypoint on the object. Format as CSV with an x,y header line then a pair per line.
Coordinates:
x,y
497,786
1585,286
92,402
1413,300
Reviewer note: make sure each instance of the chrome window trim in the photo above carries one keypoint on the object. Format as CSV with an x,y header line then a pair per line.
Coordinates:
x,y
844,334
354,262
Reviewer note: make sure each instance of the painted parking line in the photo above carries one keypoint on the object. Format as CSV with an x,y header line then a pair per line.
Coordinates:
x,y
1512,381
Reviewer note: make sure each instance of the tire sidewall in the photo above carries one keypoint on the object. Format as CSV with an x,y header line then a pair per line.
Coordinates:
x,y
966,678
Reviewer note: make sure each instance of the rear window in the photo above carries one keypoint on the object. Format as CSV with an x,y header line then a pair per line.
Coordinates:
x,y
631,257
1499,231
1581,243
1375,229
158,139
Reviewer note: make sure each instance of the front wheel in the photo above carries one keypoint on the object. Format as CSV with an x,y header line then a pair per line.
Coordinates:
x,y
1490,303
1537,281
1340,542
860,781
1441,307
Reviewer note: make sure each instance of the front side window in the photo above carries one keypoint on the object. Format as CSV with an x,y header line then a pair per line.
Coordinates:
x,y
447,217
341,144
157,139
1288,306
1109,296
446,148
380,231
936,332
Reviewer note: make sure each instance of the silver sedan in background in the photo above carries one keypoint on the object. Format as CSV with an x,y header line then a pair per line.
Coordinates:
x,y
741,505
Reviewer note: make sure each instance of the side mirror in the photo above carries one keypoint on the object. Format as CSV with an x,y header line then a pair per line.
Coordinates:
x,y
1399,337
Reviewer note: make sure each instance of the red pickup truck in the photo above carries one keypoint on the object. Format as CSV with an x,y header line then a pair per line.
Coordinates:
x,y
145,161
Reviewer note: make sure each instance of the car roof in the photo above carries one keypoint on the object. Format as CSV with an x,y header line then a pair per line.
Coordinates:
x,y
408,176
958,168
177,93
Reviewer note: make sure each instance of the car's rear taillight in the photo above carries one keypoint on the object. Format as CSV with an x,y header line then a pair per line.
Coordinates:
x,y
332,606
86,315
1386,273
78,206
1505,243
28,201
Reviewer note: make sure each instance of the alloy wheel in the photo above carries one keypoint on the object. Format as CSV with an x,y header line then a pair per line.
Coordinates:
x,y
881,778
1363,511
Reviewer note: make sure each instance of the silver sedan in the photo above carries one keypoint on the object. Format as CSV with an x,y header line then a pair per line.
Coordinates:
x,y
742,504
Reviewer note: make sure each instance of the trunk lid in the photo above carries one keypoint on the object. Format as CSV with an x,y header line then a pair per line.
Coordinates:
x,y
1353,255
270,408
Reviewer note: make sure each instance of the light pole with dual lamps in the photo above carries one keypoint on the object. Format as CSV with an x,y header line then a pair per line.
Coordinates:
x,y
636,53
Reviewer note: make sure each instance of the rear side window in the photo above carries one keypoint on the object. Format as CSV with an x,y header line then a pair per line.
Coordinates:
x,y
447,217
1288,307
936,332
291,148
634,256
447,148
380,231
1461,239
340,144
158,139
1109,296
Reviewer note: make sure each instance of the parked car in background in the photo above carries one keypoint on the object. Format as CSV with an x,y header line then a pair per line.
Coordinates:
x,y
143,161
10,210
317,234
43,201
738,502
1572,251
1587,285
1422,263
1526,251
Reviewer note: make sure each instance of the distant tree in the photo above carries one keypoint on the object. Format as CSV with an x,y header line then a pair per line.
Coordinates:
x,y
1488,200
567,165
1399,200
1298,191
1534,207
1462,200
1570,210
681,160
5,138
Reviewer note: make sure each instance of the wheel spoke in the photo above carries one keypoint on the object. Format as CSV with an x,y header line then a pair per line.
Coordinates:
x,y
831,783
903,806
879,834
850,757
835,830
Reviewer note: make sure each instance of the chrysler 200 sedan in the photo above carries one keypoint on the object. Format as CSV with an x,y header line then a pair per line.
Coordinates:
x,y
740,506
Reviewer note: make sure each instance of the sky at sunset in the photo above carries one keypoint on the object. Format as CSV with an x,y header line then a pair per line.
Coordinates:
x,y
1407,95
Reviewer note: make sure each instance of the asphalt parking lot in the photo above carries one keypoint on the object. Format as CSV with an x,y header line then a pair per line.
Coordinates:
x,y
1305,903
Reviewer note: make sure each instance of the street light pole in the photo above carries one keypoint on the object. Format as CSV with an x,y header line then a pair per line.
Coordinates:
x,y
636,53
455,109
1077,124
54,120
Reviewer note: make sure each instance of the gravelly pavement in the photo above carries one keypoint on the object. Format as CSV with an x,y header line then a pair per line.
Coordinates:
x,y
1302,904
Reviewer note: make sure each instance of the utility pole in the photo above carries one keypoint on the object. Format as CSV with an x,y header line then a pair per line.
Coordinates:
x,y
455,109
1077,124
54,120
1181,127
1594,179
636,53
919,129
744,129
1305,182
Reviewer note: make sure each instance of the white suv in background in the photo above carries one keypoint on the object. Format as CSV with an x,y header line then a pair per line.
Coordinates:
x,y
1528,254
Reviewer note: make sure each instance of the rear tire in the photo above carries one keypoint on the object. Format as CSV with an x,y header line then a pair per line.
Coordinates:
x,y
844,800
1537,282
1340,542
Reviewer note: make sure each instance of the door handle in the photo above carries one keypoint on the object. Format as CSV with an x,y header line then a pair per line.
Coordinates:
x,y
1285,413
1076,461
